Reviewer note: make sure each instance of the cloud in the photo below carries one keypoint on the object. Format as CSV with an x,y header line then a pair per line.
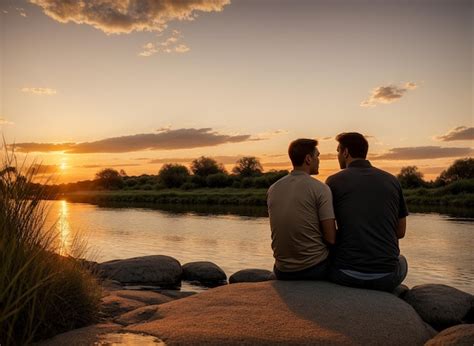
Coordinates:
x,y
119,165
4,121
226,160
387,94
461,133
21,11
421,153
165,140
41,147
37,169
126,16
169,45
39,91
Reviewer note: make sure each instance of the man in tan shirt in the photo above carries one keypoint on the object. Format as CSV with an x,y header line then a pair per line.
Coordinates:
x,y
301,217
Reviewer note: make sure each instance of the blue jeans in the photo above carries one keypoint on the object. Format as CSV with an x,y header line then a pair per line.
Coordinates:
x,y
386,283
317,272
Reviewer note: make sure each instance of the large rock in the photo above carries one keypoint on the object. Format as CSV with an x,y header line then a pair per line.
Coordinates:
x,y
83,336
287,312
206,273
460,335
113,305
439,305
251,275
153,270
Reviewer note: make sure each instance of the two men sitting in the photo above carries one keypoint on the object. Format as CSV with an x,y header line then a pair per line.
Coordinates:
x,y
368,205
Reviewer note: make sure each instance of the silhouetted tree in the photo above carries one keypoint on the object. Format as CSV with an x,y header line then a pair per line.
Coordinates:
x,y
460,169
248,166
409,177
123,173
173,175
204,166
109,178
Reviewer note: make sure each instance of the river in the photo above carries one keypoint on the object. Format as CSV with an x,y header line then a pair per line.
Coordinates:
x,y
438,247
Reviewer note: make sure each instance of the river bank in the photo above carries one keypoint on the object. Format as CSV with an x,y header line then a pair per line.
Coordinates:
x,y
459,194
253,308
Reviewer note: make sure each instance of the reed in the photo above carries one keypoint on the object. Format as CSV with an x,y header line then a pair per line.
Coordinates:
x,y
41,292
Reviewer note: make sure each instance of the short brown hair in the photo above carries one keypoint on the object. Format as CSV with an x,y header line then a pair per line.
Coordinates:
x,y
355,143
299,148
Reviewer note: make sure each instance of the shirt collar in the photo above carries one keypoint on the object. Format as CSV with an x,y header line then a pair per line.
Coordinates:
x,y
360,164
295,172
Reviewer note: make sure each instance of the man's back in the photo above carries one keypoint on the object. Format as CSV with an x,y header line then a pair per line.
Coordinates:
x,y
296,205
368,203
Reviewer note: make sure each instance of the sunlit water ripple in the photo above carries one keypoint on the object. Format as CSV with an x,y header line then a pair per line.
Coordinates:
x,y
439,249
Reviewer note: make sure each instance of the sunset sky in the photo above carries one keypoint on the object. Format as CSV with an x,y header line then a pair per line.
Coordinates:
x,y
132,84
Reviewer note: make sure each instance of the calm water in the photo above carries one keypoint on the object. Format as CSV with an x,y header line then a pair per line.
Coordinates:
x,y
439,248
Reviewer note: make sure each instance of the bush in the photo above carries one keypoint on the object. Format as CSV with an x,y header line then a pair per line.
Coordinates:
x,y
205,166
173,175
218,180
41,293
189,186
247,183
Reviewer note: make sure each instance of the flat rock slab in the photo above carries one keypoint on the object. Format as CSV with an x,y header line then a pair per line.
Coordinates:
x,y
460,335
440,306
147,297
251,275
284,312
113,305
206,273
82,336
154,270
140,315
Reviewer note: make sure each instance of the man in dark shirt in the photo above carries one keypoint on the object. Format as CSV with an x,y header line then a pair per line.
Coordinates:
x,y
371,216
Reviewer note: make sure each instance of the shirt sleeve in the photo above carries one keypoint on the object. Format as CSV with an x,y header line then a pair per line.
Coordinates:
x,y
402,207
325,207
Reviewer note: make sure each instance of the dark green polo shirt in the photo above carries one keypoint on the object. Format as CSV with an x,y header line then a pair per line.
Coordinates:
x,y
368,202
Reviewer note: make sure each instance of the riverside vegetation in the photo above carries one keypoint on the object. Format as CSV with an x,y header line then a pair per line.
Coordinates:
x,y
209,183
41,293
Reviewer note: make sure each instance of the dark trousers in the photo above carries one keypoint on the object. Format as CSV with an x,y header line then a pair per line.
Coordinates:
x,y
386,283
317,272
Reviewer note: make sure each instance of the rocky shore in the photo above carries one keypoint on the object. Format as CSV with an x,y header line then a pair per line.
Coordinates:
x,y
142,304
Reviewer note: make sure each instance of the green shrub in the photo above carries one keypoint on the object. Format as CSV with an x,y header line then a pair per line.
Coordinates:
x,y
218,180
41,293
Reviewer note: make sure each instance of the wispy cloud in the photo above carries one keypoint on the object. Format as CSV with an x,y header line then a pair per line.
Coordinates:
x,y
21,11
420,153
224,159
164,140
387,94
39,91
41,147
126,16
172,44
37,169
461,133
119,165
4,121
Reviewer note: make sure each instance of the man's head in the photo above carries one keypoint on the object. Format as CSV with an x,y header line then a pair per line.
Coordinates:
x,y
352,146
304,155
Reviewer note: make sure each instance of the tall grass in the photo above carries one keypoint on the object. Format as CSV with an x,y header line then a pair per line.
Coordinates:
x,y
41,292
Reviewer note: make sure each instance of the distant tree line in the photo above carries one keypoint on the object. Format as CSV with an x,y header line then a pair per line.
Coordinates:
x,y
411,178
204,172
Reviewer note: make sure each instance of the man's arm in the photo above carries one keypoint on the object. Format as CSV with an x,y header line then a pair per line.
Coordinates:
x,y
401,228
328,227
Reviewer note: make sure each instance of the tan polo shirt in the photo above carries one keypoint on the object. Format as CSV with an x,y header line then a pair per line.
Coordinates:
x,y
296,205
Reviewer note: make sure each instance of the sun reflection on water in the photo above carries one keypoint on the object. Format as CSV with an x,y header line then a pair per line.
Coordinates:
x,y
64,229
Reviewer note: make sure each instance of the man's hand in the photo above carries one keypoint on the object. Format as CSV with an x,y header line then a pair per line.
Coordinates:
x,y
328,228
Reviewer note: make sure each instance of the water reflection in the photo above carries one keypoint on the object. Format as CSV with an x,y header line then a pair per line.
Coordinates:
x,y
438,247
64,230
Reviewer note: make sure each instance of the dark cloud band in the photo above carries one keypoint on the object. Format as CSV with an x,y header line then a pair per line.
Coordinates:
x,y
164,140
